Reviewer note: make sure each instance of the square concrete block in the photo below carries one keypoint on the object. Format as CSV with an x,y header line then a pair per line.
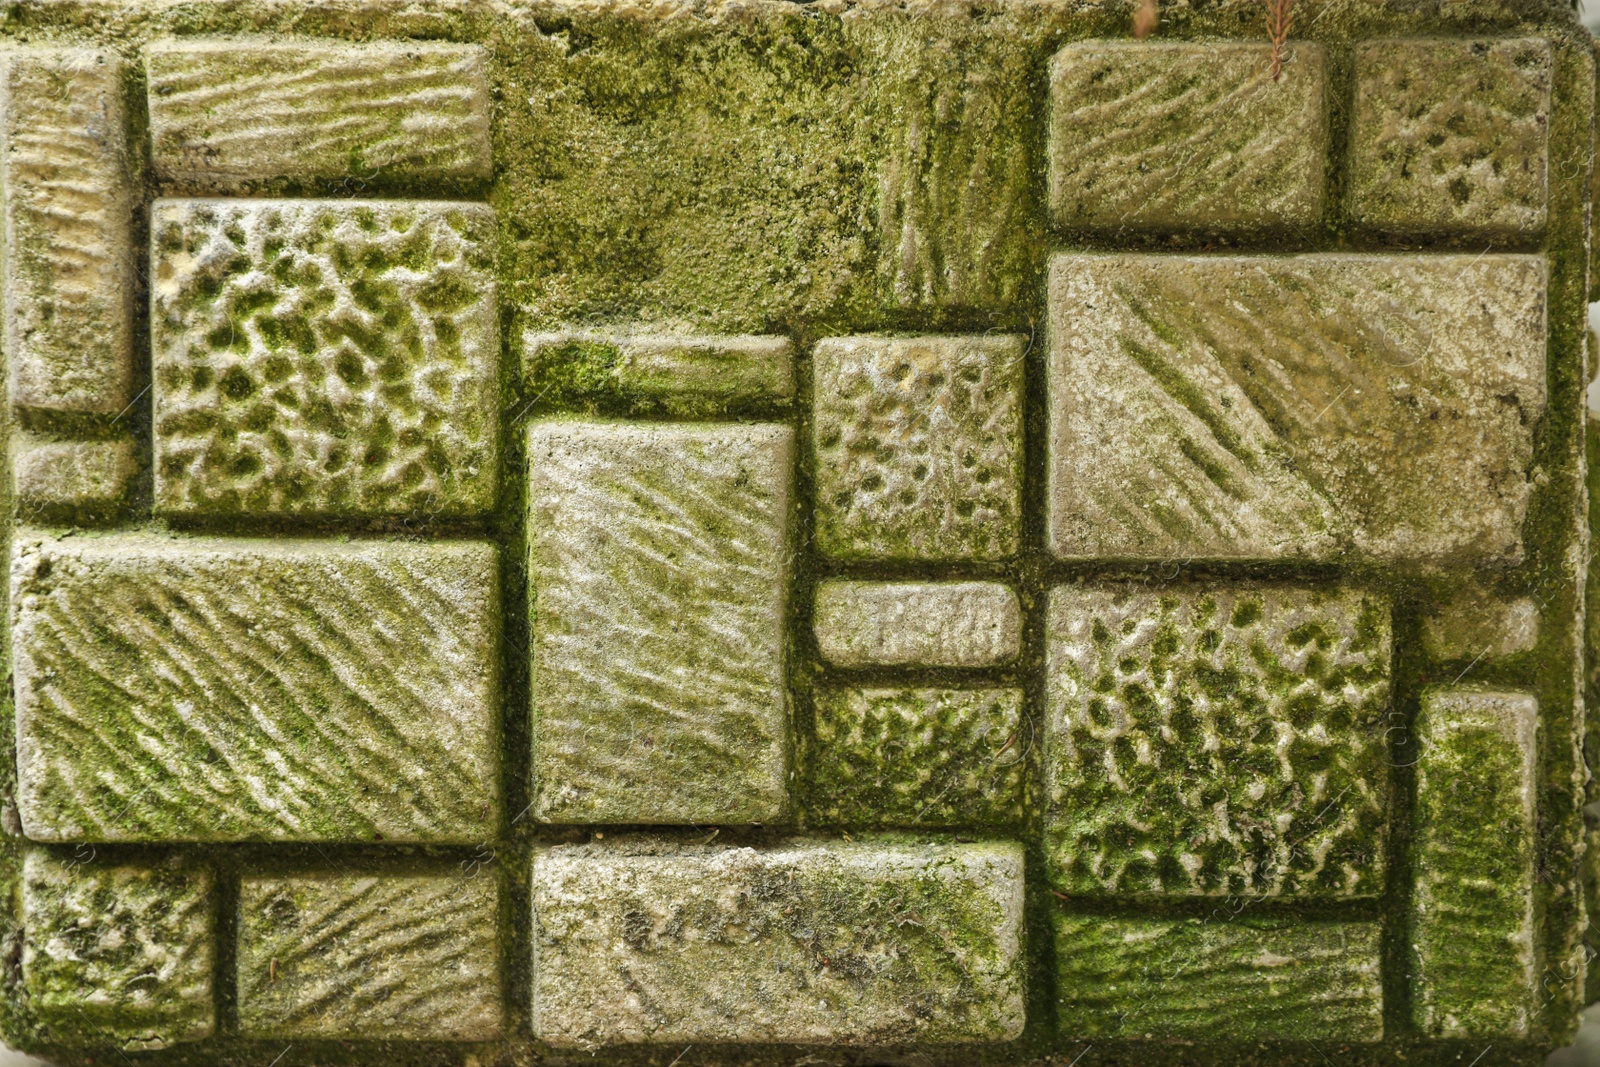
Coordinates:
x,y
325,358
659,569
918,444
1218,740
1451,136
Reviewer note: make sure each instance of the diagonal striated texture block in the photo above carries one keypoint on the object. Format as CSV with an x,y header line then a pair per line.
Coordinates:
x,y
659,571
224,110
325,358
1451,136
809,943
1221,978
920,757
1234,407
1475,972
392,957
918,447
69,263
118,953
921,624
255,690
1148,135
1225,740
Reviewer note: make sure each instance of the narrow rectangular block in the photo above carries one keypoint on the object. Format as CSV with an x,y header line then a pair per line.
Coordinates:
x,y
659,571
69,257
1300,407
119,953
918,447
919,757
405,957
52,477
676,375
1451,136
226,111
807,943
1226,978
325,358
1479,624
923,624
1222,740
256,690
1157,136
1474,855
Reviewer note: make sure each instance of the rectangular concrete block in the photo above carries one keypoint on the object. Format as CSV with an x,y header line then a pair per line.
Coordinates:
x,y
325,358
675,375
55,478
920,624
919,757
1222,740
229,111
1451,136
659,569
918,447
1219,978
1180,136
805,943
69,259
1301,407
248,690
1474,973
118,954
407,957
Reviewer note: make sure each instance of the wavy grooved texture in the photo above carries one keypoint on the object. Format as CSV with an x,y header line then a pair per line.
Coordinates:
x,y
1475,972
1220,741
246,690
223,110
118,953
659,578
392,957
1293,407
809,942
68,230
325,358
1223,979
919,447
1450,136
1153,136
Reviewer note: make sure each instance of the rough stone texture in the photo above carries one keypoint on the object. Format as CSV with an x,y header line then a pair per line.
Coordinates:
x,y
1225,739
918,446
323,358
920,757
224,111
922,624
1237,979
810,943
255,690
68,230
1294,407
1450,136
370,956
677,375
118,954
1474,973
53,477
1157,136
659,573
1477,624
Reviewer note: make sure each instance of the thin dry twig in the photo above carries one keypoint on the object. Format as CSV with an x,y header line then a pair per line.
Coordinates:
x,y
1280,18
1146,18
